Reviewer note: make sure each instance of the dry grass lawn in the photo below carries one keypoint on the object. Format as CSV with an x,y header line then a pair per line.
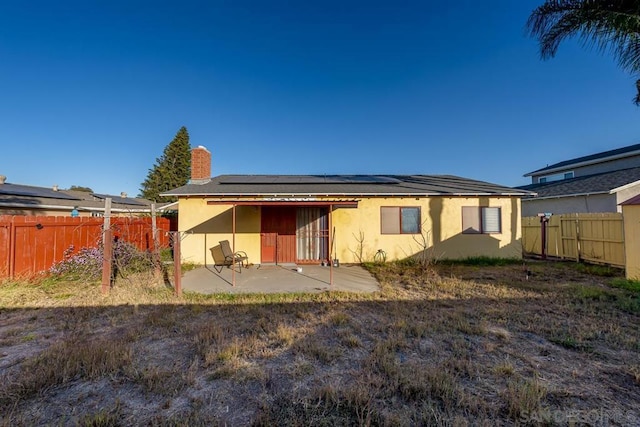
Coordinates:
x,y
451,345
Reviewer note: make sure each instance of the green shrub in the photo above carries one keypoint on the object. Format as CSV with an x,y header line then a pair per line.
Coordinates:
x,y
166,254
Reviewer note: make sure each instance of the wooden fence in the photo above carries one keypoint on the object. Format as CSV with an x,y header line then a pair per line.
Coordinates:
x,y
589,237
32,244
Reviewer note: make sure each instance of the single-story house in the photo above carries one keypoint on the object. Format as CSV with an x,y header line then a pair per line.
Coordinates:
x,y
19,199
315,218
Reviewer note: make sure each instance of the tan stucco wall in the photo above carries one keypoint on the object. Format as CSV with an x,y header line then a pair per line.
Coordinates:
x,y
441,226
631,215
205,225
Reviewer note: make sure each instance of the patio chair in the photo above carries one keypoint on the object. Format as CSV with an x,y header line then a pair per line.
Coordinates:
x,y
231,258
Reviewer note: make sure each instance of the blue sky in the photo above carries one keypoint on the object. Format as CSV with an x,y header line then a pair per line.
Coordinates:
x,y
92,91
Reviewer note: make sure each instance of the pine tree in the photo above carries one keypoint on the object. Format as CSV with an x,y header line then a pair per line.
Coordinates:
x,y
171,170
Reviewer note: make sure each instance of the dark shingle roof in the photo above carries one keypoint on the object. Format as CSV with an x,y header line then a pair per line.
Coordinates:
x,y
354,185
8,189
597,183
122,200
592,158
31,197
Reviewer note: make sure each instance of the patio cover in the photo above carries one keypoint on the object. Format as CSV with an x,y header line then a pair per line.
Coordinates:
x,y
282,201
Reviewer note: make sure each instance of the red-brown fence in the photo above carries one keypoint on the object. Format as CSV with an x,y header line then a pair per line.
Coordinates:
x,y
32,244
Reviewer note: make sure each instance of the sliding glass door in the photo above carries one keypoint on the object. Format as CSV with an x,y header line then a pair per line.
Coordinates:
x,y
312,234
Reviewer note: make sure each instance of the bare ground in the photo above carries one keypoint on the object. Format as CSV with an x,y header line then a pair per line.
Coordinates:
x,y
448,345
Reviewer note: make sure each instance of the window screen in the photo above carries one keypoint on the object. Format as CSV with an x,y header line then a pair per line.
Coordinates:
x,y
491,220
400,220
390,218
471,220
482,219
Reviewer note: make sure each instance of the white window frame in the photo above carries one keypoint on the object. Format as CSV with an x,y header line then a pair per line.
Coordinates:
x,y
556,177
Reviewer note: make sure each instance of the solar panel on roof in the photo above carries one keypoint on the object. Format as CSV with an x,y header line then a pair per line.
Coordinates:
x,y
267,179
373,179
24,190
309,179
121,200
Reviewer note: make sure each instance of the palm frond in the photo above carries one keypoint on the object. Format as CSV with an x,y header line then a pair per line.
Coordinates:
x,y
608,25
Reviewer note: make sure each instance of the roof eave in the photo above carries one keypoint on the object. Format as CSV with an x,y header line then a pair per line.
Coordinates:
x,y
593,193
167,206
624,187
423,194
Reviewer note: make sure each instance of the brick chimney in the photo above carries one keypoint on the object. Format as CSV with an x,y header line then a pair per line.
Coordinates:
x,y
200,165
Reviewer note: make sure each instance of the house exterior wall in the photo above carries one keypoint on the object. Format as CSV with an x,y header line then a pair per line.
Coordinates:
x,y
612,165
626,194
574,204
205,225
441,227
631,215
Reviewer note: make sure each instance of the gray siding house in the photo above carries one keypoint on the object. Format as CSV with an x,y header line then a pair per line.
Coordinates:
x,y
594,183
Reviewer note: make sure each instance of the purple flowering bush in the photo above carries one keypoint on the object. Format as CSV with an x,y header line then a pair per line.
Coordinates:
x,y
86,264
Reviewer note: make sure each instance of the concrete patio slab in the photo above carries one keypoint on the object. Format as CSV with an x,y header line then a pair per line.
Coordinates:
x,y
279,279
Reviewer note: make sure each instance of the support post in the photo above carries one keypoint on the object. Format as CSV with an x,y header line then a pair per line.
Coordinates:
x,y
107,260
543,230
330,246
154,237
177,273
154,228
577,238
12,248
107,247
107,213
233,245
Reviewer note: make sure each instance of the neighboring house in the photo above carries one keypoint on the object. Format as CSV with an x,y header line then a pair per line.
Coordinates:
x,y
314,218
631,218
17,199
594,183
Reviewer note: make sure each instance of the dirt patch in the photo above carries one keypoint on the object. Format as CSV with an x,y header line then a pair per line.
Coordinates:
x,y
453,345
